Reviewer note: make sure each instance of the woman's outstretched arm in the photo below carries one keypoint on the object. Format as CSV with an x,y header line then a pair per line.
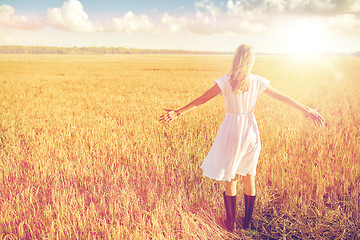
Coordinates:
x,y
173,114
312,113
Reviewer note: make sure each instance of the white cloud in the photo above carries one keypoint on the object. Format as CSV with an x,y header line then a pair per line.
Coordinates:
x,y
8,19
332,7
346,23
211,9
210,19
207,18
70,17
174,24
130,23
264,16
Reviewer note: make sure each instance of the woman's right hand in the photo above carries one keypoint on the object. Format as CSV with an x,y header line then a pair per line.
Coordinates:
x,y
316,117
169,116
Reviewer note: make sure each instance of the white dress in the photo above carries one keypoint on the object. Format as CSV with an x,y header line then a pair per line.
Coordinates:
x,y
236,147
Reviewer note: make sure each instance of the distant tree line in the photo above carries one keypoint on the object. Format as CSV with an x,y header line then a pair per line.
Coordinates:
x,y
17,49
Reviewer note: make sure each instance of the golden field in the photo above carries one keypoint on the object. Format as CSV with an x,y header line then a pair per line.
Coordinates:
x,y
83,156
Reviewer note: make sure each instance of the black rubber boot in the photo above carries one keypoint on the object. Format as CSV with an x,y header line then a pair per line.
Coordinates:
x,y
230,206
249,207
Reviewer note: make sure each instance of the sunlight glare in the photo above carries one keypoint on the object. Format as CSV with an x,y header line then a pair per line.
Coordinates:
x,y
306,39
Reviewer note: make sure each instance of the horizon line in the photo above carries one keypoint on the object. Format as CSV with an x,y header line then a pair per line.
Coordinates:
x,y
152,50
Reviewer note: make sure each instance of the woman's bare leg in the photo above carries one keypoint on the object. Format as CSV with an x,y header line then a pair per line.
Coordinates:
x,y
230,187
249,185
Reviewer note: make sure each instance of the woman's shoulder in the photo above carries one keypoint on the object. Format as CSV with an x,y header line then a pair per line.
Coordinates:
x,y
257,78
223,79
254,76
222,82
259,81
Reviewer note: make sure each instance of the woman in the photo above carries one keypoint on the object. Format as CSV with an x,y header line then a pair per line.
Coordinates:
x,y
236,148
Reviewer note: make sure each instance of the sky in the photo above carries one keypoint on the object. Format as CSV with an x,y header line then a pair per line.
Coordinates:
x,y
271,26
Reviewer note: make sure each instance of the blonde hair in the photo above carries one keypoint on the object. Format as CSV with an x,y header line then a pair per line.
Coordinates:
x,y
243,62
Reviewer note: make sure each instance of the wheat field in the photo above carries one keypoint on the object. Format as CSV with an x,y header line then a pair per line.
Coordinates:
x,y
83,156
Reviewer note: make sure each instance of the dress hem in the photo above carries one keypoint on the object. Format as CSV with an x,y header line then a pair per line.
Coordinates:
x,y
226,180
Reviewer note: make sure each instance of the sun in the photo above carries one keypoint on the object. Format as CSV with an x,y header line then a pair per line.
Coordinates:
x,y
306,39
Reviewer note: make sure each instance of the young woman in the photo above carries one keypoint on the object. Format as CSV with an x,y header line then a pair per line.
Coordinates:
x,y
236,148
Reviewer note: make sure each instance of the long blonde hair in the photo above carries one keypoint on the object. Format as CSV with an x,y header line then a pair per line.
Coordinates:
x,y
243,62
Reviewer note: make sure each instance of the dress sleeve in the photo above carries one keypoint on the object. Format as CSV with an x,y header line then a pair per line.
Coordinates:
x,y
221,83
263,84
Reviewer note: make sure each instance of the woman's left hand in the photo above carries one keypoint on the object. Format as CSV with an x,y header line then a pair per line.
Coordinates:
x,y
169,116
